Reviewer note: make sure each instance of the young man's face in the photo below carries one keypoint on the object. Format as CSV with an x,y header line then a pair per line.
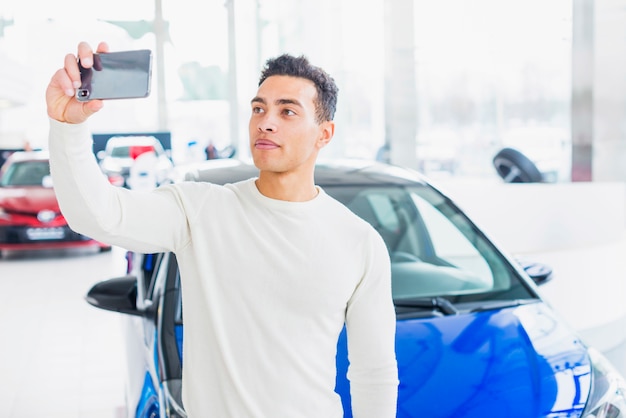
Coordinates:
x,y
284,133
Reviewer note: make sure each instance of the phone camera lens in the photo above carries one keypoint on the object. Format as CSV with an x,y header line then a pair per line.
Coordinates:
x,y
83,93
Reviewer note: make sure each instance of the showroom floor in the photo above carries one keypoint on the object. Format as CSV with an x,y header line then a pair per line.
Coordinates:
x,y
59,357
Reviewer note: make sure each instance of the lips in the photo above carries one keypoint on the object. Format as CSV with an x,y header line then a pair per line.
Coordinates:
x,y
265,144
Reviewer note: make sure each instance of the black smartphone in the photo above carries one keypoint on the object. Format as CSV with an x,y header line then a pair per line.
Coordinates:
x,y
116,75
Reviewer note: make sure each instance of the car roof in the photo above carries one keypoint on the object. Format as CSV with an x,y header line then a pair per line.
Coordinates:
x,y
131,140
28,156
342,172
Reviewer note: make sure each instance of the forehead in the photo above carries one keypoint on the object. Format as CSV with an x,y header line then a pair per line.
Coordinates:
x,y
283,87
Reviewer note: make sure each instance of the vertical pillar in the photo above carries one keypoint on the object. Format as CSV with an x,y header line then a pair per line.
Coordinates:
x,y
160,36
609,89
233,95
582,89
400,88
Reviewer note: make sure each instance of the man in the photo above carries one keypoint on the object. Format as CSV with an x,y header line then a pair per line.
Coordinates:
x,y
271,267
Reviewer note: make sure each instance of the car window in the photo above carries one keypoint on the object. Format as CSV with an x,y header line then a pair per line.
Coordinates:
x,y
26,173
149,268
434,249
120,152
178,318
452,245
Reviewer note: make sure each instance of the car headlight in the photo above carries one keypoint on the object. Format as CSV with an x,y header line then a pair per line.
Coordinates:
x,y
607,398
4,214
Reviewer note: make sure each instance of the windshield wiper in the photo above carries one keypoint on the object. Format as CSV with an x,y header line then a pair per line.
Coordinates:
x,y
438,303
501,304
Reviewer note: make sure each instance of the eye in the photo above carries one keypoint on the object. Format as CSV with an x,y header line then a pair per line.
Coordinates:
x,y
289,112
257,109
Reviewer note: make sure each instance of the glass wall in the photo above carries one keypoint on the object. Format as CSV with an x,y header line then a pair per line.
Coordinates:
x,y
493,74
488,73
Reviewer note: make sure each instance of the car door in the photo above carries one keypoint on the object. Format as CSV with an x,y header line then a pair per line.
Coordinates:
x,y
169,340
143,383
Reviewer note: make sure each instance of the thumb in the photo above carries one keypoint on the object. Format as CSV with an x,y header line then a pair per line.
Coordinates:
x,y
92,107
78,112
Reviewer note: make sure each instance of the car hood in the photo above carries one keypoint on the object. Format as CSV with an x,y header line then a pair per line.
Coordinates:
x,y
119,163
28,199
116,163
514,362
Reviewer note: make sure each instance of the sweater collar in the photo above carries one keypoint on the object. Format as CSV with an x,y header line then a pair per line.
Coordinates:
x,y
283,204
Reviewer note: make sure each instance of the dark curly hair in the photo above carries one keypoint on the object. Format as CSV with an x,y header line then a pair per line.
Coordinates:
x,y
327,90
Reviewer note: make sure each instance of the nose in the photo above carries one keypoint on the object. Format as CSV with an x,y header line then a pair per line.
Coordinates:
x,y
266,124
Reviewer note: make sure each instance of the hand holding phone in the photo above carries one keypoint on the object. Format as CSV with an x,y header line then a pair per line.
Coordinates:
x,y
116,75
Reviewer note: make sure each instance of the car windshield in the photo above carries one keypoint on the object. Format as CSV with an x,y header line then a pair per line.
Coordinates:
x,y
25,173
120,152
132,151
435,250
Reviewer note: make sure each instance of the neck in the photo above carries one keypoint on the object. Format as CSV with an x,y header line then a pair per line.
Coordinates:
x,y
286,186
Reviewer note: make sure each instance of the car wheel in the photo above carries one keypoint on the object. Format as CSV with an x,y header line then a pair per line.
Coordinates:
x,y
515,167
105,249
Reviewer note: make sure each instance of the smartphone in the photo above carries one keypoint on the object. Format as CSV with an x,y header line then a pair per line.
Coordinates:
x,y
116,75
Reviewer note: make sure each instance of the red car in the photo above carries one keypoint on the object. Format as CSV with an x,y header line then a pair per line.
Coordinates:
x,y
30,217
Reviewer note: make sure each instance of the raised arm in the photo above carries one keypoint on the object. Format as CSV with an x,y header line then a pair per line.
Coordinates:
x,y
140,221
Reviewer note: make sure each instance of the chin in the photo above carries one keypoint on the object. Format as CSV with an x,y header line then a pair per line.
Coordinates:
x,y
264,165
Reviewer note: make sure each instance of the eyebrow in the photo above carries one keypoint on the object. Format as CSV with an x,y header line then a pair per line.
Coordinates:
x,y
261,100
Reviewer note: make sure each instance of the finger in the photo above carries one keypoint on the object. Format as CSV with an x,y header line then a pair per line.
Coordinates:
x,y
85,54
72,72
102,47
64,81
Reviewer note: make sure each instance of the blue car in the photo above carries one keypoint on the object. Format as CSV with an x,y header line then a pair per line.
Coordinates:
x,y
474,338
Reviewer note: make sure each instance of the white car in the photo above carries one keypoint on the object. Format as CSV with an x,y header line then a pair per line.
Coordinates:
x,y
121,152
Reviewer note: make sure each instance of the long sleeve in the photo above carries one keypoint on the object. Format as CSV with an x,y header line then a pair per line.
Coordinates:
x,y
371,326
140,221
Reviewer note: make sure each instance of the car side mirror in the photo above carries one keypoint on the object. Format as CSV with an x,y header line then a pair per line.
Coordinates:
x,y
101,154
540,273
118,295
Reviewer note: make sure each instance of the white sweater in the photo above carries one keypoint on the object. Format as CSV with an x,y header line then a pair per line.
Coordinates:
x,y
267,287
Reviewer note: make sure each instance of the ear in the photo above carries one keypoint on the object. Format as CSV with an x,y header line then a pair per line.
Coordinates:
x,y
326,133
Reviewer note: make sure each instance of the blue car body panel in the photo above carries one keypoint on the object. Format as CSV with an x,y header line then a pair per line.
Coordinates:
x,y
149,403
513,362
148,406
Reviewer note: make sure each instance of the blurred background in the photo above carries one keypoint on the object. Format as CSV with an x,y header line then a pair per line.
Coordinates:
x,y
438,86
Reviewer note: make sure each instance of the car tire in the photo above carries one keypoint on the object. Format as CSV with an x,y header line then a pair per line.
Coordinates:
x,y
105,249
515,167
